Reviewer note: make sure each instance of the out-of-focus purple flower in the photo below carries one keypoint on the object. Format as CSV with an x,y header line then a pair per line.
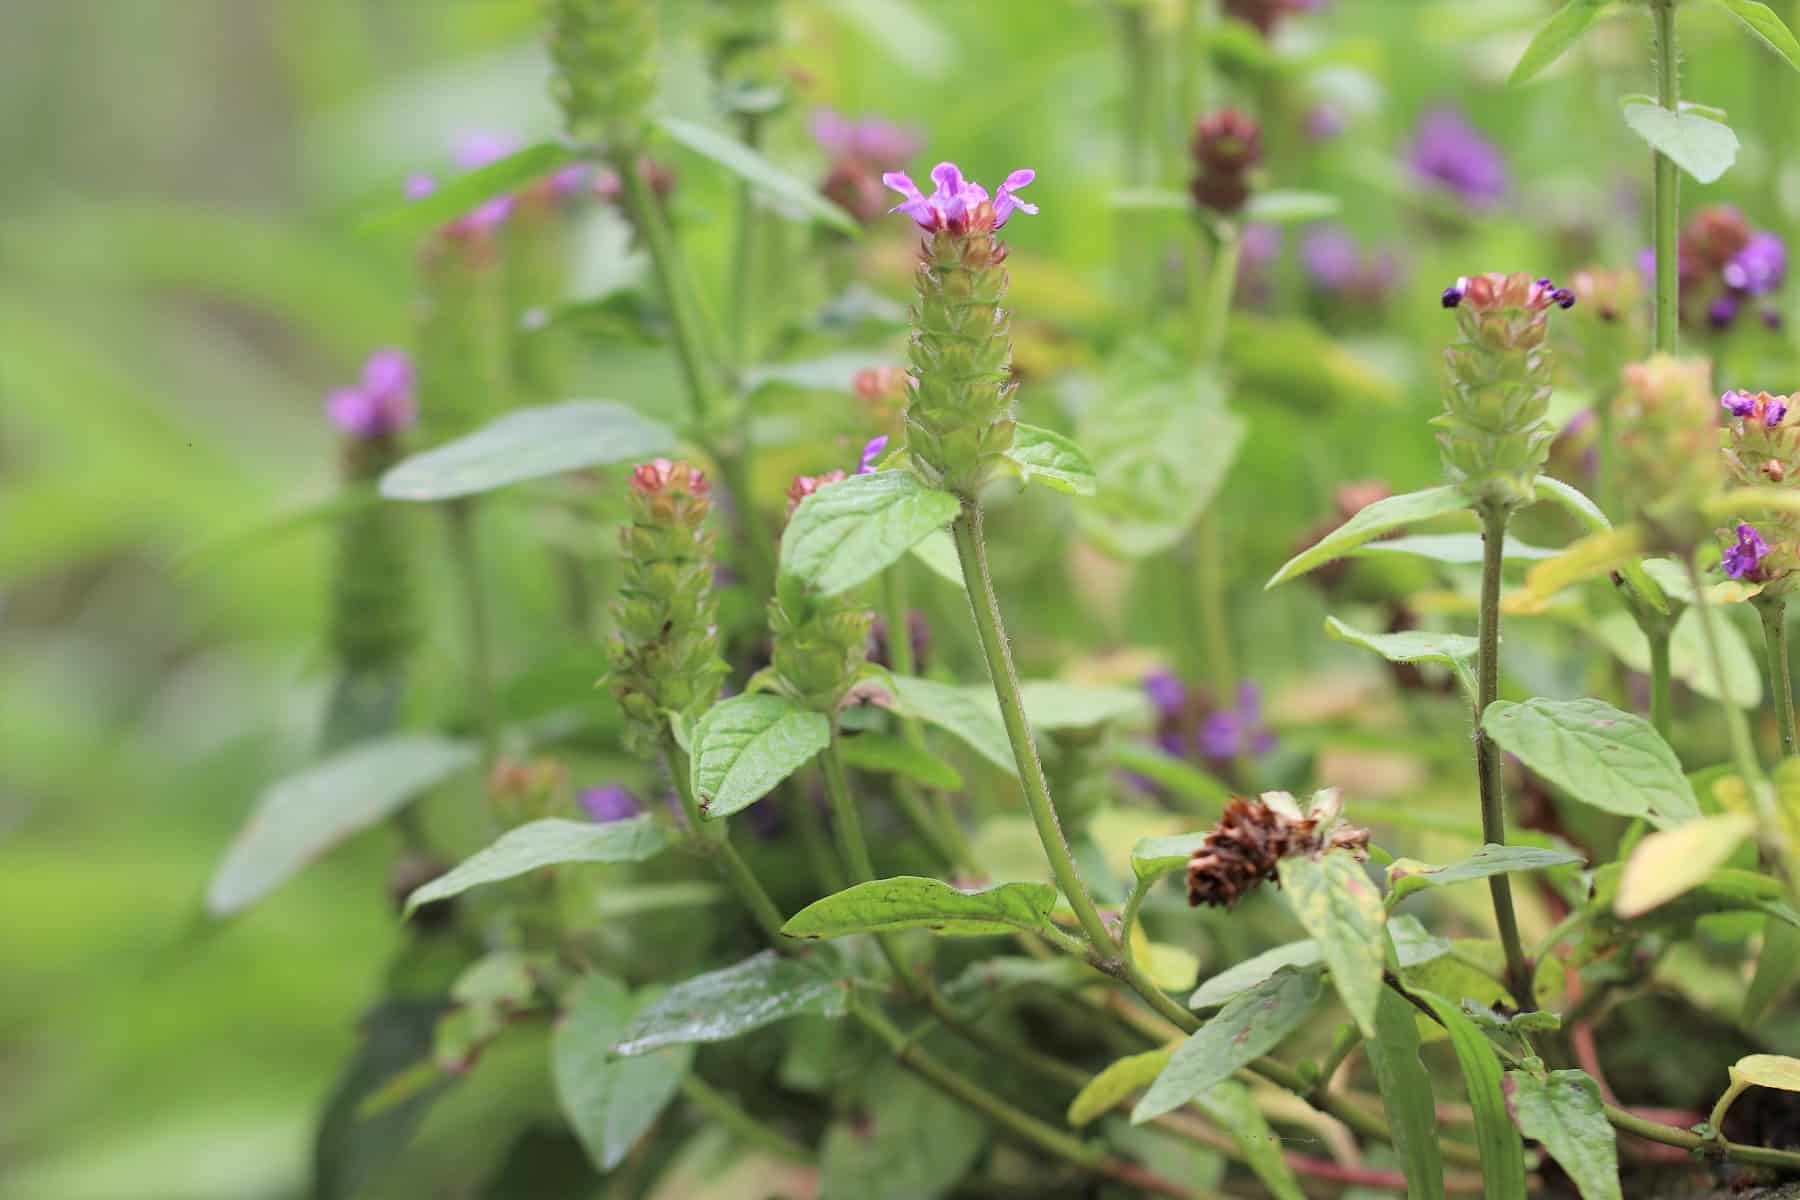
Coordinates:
x,y
1775,411
1166,692
875,448
1759,267
609,802
1331,256
1323,121
1723,310
1258,247
1448,150
1231,732
1742,559
420,185
959,204
1724,267
870,140
381,404
1738,403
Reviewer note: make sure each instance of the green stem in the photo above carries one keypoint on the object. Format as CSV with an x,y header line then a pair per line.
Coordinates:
x,y
743,266
1213,317
1743,751
1134,904
1349,1037
1773,611
1487,755
713,838
1662,707
729,1113
972,551
469,579
805,816
853,849
1665,197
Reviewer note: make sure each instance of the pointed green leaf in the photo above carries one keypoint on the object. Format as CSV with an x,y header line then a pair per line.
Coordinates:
x,y
887,754
1699,145
1107,1090
1370,523
1285,206
1453,549
1405,1088
305,815
1241,977
903,1139
1761,20
937,551
1408,875
1231,1107
969,714
467,191
1334,901
1671,861
1154,857
1047,457
848,531
1502,1154
1777,966
609,1101
528,443
915,902
1555,36
1566,1114
723,1004
1247,1028
1179,776
746,745
548,843
1052,705
1597,754
1452,650
795,195
991,978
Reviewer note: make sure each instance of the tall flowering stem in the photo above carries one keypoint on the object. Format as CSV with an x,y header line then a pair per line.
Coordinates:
x,y
1773,611
1665,193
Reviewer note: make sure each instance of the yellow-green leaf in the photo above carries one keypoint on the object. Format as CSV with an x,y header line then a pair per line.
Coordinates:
x,y
1665,864
1109,1088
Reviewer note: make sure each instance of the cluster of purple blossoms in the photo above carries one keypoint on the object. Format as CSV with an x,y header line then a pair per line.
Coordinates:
x,y
1449,151
1755,406
1496,290
860,152
1343,270
1191,725
1743,560
958,204
381,404
1725,266
473,151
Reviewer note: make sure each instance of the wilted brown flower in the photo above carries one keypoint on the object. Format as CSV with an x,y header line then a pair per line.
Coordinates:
x,y
1253,836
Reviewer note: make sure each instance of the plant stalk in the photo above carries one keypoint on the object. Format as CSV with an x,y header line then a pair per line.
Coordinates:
x,y
1487,755
467,561
1773,612
713,838
1665,194
939,828
1662,706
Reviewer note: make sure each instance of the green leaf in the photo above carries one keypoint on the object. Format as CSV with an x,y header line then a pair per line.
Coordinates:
x,y
1280,206
528,443
1777,966
305,815
1409,646
1408,875
915,902
903,1139
1047,457
467,192
1231,1107
1162,441
1241,977
723,1004
1699,145
1452,549
1405,1087
1562,30
1566,1114
385,1091
1247,1028
887,754
1689,660
1597,754
968,713
1154,857
1166,771
547,843
937,550
1052,705
1368,524
746,745
1761,20
1169,200
1767,1070
1334,901
1107,1090
1502,1154
992,978
609,1101
851,530
795,195
1665,864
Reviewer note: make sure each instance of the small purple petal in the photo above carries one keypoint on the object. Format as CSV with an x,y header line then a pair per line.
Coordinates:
x,y
1166,692
874,450
609,803
1742,559
1723,311
1738,403
1773,414
1759,267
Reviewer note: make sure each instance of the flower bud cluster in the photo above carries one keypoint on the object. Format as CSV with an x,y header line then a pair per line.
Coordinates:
x,y
1226,146
820,643
603,52
1666,435
1762,449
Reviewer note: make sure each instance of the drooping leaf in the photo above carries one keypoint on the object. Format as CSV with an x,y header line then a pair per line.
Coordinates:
x,y
1701,146
1334,901
467,191
1405,1088
1502,1154
970,715
887,754
1555,36
1241,977
1600,756
848,531
1767,1070
1565,1113
528,443
743,747
1107,1090
1769,28
1669,862
1047,457
1231,1107
1156,856
609,1100
1452,650
550,842
1249,1026
1408,875
723,1004
1285,206
1370,523
795,195
304,815
915,902
1051,705
1587,558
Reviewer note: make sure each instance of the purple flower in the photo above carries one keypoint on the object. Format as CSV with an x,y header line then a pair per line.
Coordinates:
x,y
959,204
1230,732
1723,311
1331,256
1759,267
610,802
1448,150
871,140
1742,560
874,450
381,404
1738,403
1166,692
1774,412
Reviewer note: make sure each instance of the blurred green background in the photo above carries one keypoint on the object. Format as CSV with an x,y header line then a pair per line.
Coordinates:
x,y
181,281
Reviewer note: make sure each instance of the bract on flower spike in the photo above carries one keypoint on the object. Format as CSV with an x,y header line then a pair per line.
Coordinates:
x,y
603,52
819,642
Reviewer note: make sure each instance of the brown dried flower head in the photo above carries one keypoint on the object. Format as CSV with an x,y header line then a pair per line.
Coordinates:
x,y
1253,836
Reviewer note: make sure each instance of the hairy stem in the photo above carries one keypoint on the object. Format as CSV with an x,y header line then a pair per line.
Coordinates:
x,y
713,838
1665,197
1487,755
1773,612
